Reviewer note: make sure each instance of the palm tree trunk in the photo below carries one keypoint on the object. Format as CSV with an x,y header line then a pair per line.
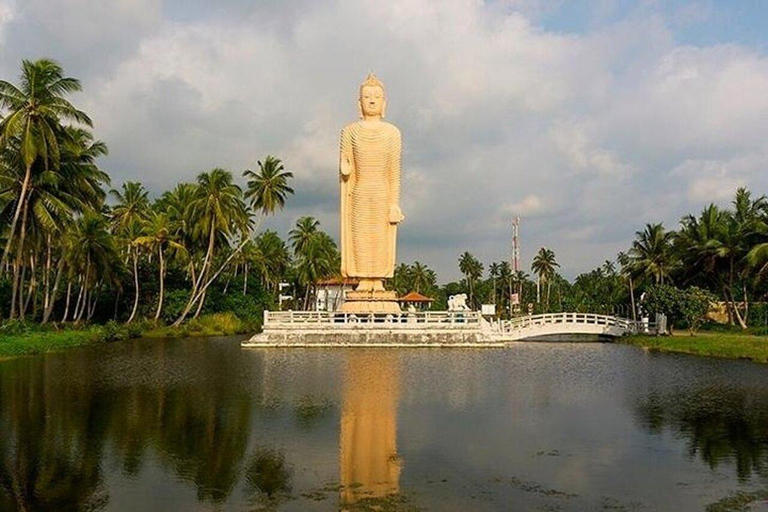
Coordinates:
x,y
746,303
135,283
195,295
632,299
538,288
69,296
49,308
14,290
19,207
245,279
162,283
32,285
200,304
93,302
549,290
47,274
191,303
80,293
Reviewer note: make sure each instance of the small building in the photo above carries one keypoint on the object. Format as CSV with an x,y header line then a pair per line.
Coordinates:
x,y
415,300
330,292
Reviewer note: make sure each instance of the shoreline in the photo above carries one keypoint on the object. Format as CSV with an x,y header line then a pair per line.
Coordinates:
x,y
34,339
735,346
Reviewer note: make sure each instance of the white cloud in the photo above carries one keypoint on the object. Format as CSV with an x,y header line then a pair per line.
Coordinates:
x,y
530,206
6,14
586,135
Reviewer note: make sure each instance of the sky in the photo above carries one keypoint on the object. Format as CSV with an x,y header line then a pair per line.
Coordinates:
x,y
588,118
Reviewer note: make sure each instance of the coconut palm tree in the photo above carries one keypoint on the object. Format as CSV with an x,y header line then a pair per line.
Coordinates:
x,y
303,233
493,271
543,266
36,109
275,257
219,212
472,270
626,271
421,276
128,216
94,253
158,236
317,259
267,188
652,252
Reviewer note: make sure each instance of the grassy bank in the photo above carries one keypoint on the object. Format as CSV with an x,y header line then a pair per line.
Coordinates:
x,y
28,339
713,344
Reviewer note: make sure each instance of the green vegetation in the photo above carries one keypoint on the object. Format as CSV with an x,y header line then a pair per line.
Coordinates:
x,y
77,253
713,344
20,339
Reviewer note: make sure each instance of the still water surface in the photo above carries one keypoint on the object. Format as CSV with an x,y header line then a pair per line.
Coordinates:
x,y
200,424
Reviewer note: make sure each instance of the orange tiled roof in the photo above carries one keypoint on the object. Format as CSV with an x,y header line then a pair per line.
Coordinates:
x,y
415,297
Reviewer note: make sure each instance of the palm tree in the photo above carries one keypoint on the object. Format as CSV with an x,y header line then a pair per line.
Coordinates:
x,y
651,252
158,236
267,189
218,211
473,270
301,235
421,276
543,266
520,278
128,215
493,271
318,258
94,253
275,259
36,109
627,272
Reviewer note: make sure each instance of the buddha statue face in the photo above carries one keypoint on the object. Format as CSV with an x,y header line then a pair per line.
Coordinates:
x,y
372,101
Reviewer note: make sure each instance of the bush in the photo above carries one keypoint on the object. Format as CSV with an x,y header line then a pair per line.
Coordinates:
x,y
693,306
113,331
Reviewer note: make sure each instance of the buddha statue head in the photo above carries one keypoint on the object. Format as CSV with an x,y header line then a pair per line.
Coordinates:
x,y
373,99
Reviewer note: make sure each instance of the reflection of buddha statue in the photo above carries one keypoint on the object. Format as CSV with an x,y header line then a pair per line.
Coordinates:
x,y
369,168
370,466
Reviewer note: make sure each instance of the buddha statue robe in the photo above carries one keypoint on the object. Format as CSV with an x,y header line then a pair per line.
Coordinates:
x,y
370,194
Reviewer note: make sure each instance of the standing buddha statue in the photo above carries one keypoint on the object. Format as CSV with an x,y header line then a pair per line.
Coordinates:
x,y
369,171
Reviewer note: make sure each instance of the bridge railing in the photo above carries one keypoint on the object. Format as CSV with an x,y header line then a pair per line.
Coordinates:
x,y
310,319
525,322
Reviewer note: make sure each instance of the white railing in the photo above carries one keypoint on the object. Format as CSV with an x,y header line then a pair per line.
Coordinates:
x,y
532,321
308,319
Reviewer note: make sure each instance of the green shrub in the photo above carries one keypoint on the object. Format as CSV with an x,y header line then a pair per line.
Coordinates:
x,y
113,331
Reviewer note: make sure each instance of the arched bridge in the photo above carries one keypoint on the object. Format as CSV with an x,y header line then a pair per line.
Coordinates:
x,y
563,324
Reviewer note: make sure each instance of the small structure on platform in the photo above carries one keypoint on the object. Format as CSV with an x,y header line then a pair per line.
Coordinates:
x,y
415,301
330,292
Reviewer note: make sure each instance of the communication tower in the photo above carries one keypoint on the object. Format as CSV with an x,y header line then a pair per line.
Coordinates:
x,y
515,243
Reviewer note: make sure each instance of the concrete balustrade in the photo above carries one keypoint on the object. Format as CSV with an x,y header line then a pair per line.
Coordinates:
x,y
431,328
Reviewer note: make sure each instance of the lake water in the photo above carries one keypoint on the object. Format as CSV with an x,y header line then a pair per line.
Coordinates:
x,y
201,424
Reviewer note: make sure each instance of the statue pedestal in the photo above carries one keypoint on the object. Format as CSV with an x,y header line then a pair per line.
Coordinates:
x,y
372,301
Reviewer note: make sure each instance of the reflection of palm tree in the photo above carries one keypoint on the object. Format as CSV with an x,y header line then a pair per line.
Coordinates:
x,y
732,428
268,476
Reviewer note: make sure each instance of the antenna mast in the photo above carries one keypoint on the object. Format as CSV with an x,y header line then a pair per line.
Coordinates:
x,y
515,243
